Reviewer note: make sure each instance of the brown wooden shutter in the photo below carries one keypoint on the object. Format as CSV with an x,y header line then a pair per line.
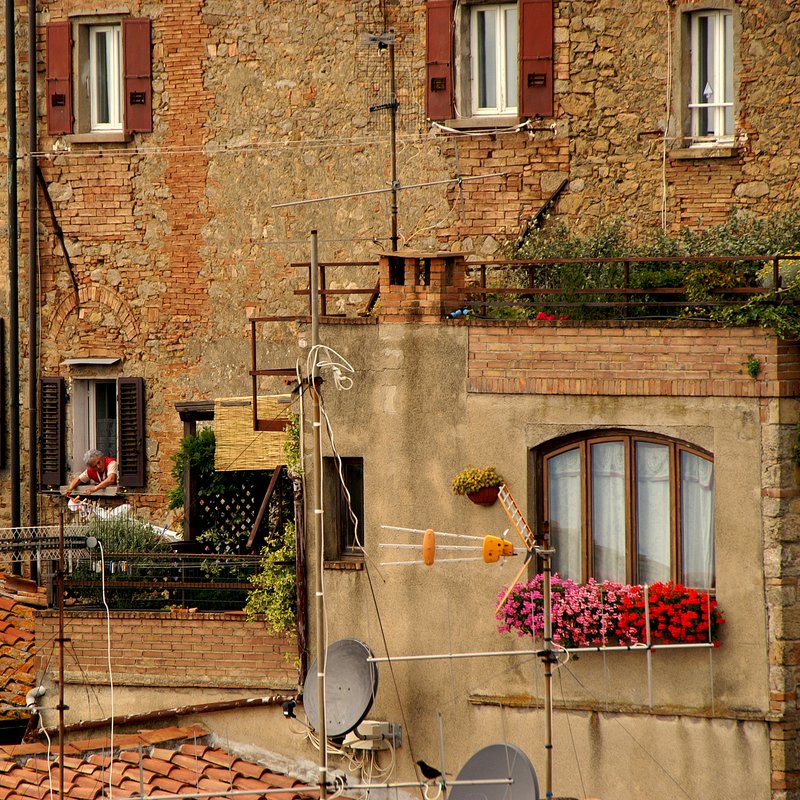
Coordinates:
x,y
439,59
137,76
51,455
130,418
536,58
59,77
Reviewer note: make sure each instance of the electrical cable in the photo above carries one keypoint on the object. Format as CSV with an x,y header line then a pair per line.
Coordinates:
x,y
110,673
636,741
571,735
260,147
49,746
344,382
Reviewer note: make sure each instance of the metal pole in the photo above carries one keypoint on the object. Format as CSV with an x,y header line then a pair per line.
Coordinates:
x,y
547,658
13,271
393,143
318,526
61,641
33,283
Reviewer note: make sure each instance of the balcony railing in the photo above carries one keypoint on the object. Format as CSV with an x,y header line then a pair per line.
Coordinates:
x,y
160,581
585,288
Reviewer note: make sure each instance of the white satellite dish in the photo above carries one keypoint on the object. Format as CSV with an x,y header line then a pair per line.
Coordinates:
x,y
495,762
351,682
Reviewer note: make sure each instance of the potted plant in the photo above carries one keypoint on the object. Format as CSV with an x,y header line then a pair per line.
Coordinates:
x,y
480,485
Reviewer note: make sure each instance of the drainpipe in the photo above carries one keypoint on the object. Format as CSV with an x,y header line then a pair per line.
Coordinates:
x,y
33,276
13,272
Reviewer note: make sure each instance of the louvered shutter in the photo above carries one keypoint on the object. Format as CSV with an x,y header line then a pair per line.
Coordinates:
x,y
137,75
130,417
536,58
439,59
51,455
59,77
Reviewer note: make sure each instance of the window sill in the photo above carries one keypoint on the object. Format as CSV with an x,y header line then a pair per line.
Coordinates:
x,y
483,123
704,151
350,565
116,137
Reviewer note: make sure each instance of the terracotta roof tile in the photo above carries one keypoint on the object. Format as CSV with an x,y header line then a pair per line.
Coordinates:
x,y
188,762
283,781
249,770
198,751
182,769
158,766
219,757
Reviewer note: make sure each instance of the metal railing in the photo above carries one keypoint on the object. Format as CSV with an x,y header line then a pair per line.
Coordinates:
x,y
581,288
159,581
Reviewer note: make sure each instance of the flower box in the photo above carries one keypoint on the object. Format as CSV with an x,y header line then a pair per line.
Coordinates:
x,y
606,614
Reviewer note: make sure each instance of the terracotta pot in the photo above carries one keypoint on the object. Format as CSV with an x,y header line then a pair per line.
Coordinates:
x,y
485,496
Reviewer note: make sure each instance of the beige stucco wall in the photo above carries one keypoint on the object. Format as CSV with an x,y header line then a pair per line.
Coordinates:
x,y
410,418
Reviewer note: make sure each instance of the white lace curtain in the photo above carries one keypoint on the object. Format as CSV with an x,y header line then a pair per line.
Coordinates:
x,y
653,506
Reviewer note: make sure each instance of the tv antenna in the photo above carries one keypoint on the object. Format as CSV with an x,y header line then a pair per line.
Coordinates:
x,y
493,548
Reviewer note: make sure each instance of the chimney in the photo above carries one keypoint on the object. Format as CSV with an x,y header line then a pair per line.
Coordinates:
x,y
420,287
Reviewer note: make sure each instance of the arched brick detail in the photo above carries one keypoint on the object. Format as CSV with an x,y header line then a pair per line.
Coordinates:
x,y
95,295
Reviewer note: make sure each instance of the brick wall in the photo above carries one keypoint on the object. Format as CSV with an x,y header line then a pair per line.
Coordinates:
x,y
618,358
170,649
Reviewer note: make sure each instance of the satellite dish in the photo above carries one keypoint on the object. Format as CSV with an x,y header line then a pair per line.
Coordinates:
x,y
495,762
350,686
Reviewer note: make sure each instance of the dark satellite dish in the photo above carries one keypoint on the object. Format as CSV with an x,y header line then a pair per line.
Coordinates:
x,y
350,686
495,762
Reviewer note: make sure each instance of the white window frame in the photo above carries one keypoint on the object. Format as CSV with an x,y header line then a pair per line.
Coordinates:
x,y
84,418
113,68
505,105
720,111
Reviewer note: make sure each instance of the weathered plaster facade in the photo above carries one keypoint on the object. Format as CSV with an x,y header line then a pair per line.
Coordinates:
x,y
703,714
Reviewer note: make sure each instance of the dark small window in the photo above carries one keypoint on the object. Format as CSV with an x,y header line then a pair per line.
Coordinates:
x,y
344,517
397,271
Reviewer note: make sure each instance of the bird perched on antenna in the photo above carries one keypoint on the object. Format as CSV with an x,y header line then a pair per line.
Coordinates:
x,y
429,773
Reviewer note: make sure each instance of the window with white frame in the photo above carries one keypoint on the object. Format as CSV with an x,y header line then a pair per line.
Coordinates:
x,y
494,58
632,508
94,408
102,76
711,103
99,77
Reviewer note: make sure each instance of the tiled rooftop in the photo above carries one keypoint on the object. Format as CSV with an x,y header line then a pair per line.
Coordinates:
x,y
18,599
157,762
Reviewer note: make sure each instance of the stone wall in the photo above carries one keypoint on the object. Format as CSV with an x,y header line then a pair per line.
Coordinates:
x,y
174,237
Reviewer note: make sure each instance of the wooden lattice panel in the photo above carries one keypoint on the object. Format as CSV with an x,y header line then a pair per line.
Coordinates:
x,y
239,447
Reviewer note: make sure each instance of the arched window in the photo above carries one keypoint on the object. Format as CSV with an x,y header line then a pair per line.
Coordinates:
x,y
630,507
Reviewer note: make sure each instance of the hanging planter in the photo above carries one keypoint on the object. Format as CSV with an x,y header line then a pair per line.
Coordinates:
x,y
479,485
485,496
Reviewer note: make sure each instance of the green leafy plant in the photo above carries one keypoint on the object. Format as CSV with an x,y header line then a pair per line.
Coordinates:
x,y
274,592
291,447
472,479
753,366
706,285
196,453
126,535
